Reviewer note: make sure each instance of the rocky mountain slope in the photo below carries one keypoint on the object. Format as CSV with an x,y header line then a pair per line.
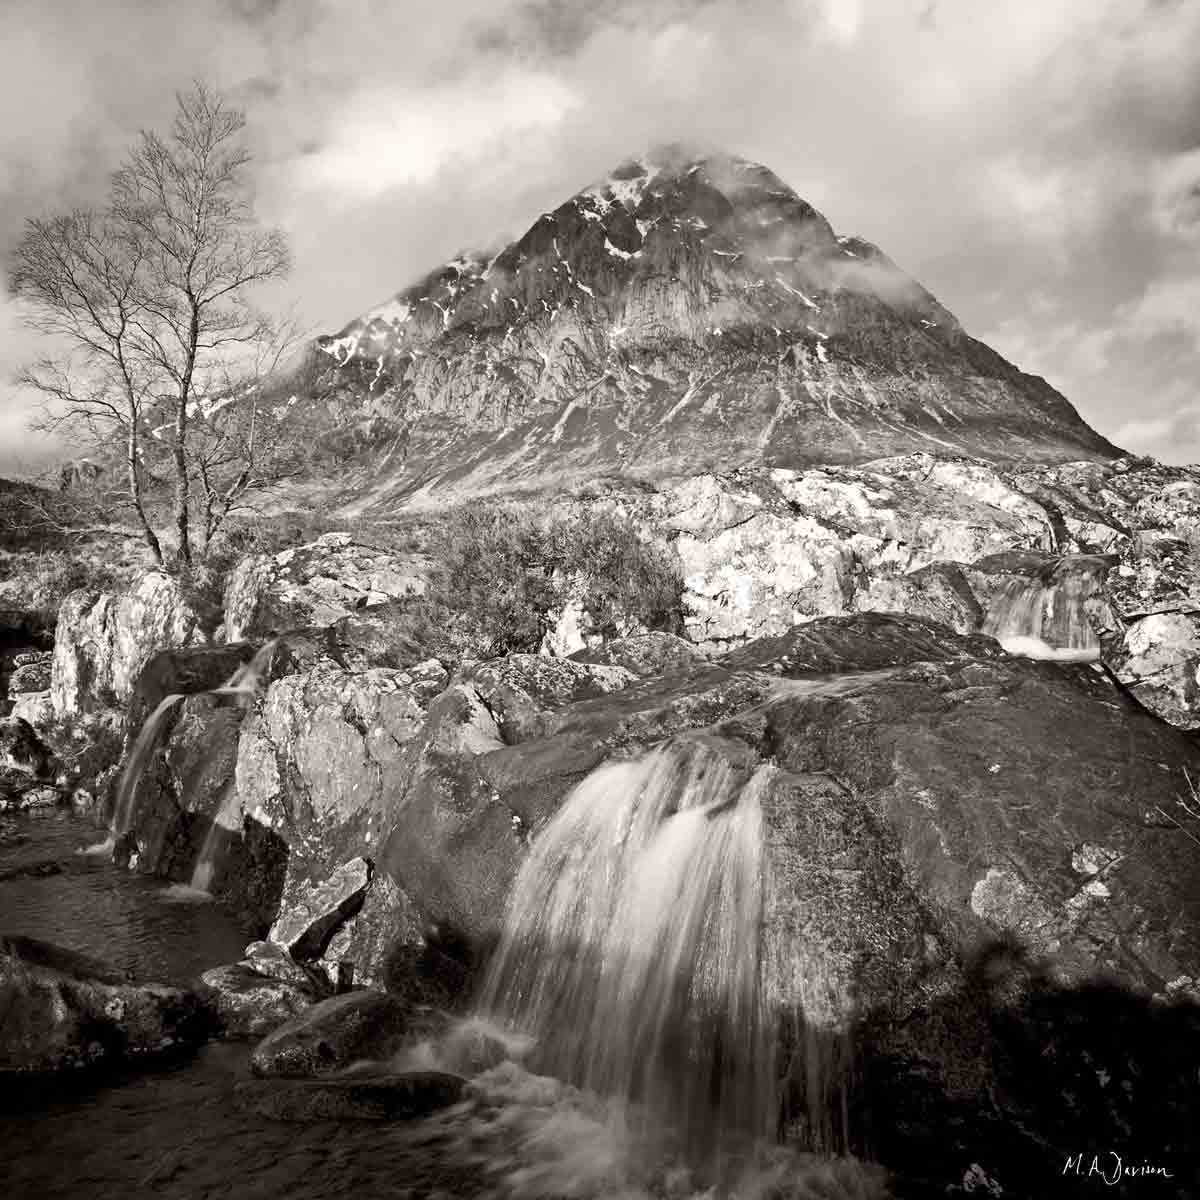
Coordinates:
x,y
689,311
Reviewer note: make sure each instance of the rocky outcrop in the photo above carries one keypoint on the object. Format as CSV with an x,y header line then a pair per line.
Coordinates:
x,y
315,585
103,640
60,1009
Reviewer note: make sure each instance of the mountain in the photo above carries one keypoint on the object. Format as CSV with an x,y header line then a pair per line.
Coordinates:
x,y
688,312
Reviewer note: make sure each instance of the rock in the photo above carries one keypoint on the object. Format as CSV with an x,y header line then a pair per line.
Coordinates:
x,y
868,642
59,1009
771,548
36,708
1158,658
939,592
315,585
42,797
335,1034
388,923
30,673
103,640
22,751
404,1095
249,1003
275,962
646,655
522,690
310,914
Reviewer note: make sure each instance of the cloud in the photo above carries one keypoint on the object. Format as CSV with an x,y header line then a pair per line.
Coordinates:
x,y
390,138
1034,165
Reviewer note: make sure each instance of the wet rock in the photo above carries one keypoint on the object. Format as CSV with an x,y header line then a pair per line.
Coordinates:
x,y
249,1003
60,1009
104,639
403,1095
316,585
335,1034
311,913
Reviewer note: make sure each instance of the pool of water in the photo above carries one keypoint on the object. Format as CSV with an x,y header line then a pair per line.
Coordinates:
x,y
52,889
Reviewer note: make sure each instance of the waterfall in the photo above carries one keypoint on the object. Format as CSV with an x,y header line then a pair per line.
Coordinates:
x,y
139,756
631,947
1045,616
227,824
244,684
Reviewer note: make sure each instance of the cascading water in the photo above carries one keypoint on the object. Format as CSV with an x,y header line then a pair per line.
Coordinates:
x,y
1045,615
631,950
244,684
227,824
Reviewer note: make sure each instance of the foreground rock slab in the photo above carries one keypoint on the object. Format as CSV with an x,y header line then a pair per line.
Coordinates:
x,y
335,1034
60,1009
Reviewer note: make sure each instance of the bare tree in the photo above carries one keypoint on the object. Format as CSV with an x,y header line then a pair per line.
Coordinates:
x,y
232,458
152,295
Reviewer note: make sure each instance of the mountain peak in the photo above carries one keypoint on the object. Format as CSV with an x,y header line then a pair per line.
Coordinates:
x,y
691,302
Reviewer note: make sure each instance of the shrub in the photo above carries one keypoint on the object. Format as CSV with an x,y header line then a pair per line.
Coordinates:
x,y
502,570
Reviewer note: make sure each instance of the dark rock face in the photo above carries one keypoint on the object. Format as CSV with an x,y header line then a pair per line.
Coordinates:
x,y
61,1009
688,301
335,1034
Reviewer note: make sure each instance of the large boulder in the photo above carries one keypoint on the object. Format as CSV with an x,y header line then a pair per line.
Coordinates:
x,y
763,550
335,1034
61,1009
103,640
316,585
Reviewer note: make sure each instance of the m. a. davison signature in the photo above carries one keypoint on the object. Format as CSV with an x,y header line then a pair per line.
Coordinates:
x,y
1111,1168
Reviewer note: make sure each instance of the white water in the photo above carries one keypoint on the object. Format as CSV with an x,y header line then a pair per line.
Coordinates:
x,y
631,947
1047,617
244,685
139,756
227,823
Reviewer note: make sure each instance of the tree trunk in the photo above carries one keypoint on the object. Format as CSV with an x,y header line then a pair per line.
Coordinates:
x,y
135,492
181,485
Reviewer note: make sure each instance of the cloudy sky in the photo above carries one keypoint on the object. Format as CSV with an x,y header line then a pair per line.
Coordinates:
x,y
1035,163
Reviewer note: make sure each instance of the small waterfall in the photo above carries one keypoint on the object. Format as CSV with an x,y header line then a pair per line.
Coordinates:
x,y
227,824
631,949
1045,615
244,684
139,756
